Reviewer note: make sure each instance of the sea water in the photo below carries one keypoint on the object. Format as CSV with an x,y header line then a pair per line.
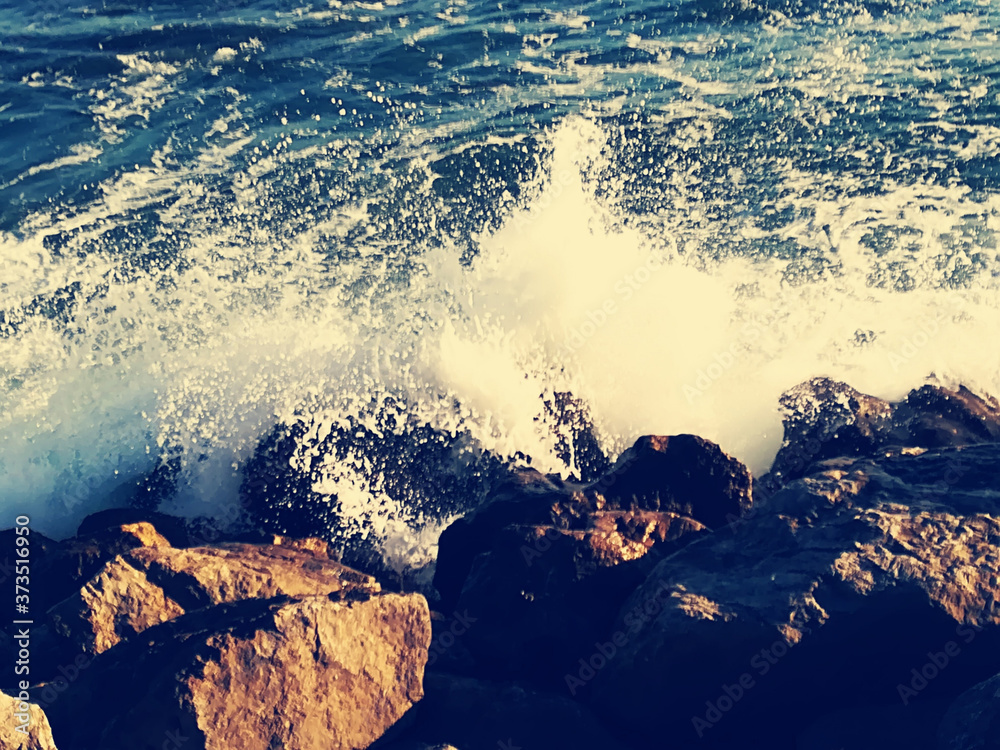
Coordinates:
x,y
216,218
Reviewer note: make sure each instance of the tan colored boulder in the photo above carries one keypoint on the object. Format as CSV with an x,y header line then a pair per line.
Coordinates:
x,y
152,584
317,673
24,726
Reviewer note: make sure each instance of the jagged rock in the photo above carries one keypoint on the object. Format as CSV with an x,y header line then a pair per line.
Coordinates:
x,y
542,595
146,586
825,419
481,715
544,563
432,473
682,475
317,673
972,722
174,529
36,734
825,597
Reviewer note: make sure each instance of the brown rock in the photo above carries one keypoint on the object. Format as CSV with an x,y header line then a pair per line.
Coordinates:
x,y
37,734
543,597
316,673
146,586
682,475
826,597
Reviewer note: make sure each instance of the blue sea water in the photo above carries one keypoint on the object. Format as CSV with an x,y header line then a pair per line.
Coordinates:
x,y
217,217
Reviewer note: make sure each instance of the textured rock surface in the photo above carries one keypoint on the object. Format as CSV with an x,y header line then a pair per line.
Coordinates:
x,y
153,584
824,419
37,734
543,567
310,674
682,475
828,594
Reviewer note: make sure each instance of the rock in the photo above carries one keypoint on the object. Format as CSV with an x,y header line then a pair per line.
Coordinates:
x,y
825,419
541,567
170,527
681,475
827,596
149,585
972,722
37,734
434,474
317,673
543,596
480,715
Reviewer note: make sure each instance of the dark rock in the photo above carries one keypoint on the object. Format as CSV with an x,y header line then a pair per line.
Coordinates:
x,y
256,675
825,597
433,474
480,715
172,528
826,419
543,597
683,474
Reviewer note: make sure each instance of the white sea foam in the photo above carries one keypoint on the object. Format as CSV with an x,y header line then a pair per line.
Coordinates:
x,y
203,361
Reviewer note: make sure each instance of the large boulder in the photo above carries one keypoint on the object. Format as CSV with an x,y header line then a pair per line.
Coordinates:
x,y
683,475
24,725
543,566
155,583
827,597
316,673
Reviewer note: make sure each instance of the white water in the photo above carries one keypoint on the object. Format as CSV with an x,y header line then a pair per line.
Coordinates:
x,y
566,296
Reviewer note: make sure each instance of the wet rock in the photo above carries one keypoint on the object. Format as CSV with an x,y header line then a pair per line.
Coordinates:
x,y
432,473
544,563
827,596
316,672
683,475
543,597
24,725
153,584
481,715
824,419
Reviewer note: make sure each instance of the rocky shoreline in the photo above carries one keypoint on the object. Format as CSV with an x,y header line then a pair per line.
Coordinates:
x,y
848,599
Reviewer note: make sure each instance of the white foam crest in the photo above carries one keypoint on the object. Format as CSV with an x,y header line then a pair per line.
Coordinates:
x,y
567,295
